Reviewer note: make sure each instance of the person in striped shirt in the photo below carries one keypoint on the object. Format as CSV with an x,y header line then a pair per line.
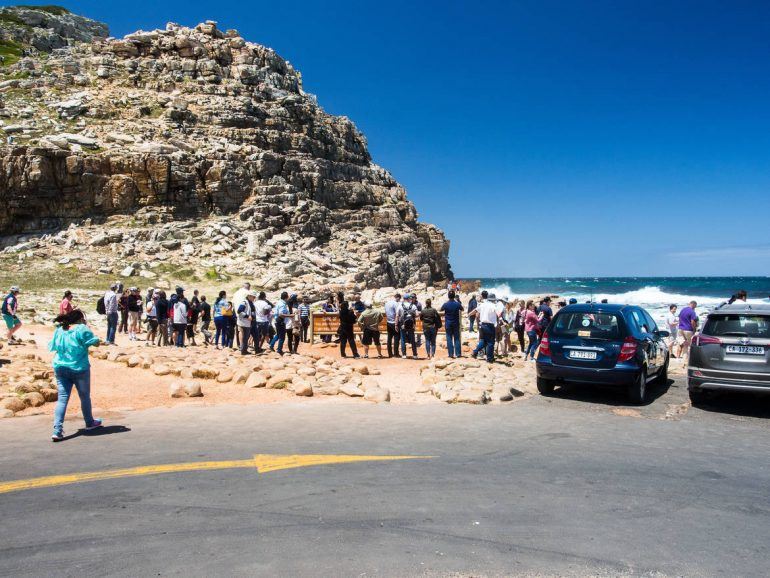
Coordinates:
x,y
304,317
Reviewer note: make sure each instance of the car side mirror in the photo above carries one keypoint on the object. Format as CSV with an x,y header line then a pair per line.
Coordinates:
x,y
663,333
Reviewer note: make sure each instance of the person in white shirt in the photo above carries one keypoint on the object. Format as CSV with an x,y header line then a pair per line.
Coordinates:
x,y
672,320
179,317
111,311
487,316
263,312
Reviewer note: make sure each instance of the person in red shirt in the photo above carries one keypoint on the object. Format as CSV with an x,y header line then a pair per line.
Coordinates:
x,y
66,307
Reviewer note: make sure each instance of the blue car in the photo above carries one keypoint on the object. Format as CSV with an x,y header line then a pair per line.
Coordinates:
x,y
603,344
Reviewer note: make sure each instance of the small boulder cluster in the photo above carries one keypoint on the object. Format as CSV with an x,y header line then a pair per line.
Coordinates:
x,y
303,375
25,382
472,381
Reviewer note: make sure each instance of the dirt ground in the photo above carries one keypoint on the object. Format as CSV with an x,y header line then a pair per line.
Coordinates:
x,y
116,389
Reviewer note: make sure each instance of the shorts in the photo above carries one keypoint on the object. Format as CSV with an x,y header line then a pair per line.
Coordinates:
x,y
686,337
11,321
133,316
370,337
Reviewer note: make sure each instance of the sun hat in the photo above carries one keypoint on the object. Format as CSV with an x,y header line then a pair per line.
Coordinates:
x,y
15,289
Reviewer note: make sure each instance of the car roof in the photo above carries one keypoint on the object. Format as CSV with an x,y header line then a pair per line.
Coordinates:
x,y
595,308
761,308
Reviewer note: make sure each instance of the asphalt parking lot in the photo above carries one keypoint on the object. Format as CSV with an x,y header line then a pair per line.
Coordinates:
x,y
577,483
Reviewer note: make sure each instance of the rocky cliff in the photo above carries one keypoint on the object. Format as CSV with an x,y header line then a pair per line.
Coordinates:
x,y
194,144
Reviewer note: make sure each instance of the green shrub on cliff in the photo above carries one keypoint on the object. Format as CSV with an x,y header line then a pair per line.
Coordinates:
x,y
50,8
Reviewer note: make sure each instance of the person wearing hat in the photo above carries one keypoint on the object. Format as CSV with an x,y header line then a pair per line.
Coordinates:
x,y
369,320
151,309
246,320
10,307
111,311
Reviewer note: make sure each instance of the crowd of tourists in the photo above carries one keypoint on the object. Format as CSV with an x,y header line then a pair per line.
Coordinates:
x,y
250,322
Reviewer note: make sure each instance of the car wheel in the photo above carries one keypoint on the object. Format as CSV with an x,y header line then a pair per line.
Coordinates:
x,y
545,386
663,374
697,397
637,391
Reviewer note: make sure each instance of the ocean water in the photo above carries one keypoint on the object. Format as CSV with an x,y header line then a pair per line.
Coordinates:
x,y
653,293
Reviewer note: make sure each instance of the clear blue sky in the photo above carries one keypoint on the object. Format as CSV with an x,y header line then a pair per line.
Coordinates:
x,y
545,138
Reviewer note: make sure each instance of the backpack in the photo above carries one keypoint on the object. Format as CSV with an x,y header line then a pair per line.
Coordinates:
x,y
100,309
5,309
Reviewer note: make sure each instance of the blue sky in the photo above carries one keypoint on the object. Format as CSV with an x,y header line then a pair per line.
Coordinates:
x,y
545,138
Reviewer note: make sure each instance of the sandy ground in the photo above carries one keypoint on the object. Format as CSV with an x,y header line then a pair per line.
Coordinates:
x,y
116,389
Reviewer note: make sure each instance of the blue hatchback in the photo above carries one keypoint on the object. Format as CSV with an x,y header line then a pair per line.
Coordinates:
x,y
603,344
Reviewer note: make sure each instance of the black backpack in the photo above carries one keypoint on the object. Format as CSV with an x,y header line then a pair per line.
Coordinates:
x,y
100,309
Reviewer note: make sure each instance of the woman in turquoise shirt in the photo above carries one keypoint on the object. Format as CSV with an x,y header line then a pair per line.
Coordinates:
x,y
71,366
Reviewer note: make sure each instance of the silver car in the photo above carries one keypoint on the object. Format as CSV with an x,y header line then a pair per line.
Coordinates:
x,y
731,352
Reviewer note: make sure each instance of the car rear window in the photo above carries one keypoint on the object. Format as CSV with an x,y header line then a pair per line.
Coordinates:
x,y
757,326
589,325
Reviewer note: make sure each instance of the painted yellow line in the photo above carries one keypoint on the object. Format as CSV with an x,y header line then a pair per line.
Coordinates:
x,y
263,463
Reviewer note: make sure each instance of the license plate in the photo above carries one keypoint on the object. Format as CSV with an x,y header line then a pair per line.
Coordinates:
x,y
576,354
746,349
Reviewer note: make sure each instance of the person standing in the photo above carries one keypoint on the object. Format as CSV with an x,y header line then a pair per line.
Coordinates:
x,y
179,313
672,322
134,312
545,314
472,304
518,324
229,312
281,314
531,326
205,312
246,318
688,324
391,317
346,332
507,319
304,318
369,321
10,309
431,323
193,315
123,310
408,319
262,314
328,307
66,303
220,322
161,311
111,311
151,309
292,325
71,366
486,313
358,305
452,309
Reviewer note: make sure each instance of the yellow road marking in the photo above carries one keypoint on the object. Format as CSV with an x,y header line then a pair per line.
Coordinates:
x,y
262,462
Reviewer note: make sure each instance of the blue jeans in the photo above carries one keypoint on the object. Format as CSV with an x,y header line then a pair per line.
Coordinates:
x,y
180,328
279,337
453,342
221,324
65,379
112,327
473,319
430,340
533,343
486,341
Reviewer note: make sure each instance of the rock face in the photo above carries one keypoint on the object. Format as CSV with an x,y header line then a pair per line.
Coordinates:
x,y
190,124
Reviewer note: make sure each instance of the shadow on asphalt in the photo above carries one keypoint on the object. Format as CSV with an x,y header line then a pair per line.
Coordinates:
x,y
102,431
737,403
608,395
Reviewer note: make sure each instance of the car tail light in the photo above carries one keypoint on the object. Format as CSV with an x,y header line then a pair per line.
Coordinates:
x,y
701,339
545,345
628,350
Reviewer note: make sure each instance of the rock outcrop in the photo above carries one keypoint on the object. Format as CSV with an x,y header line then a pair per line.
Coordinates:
x,y
197,126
